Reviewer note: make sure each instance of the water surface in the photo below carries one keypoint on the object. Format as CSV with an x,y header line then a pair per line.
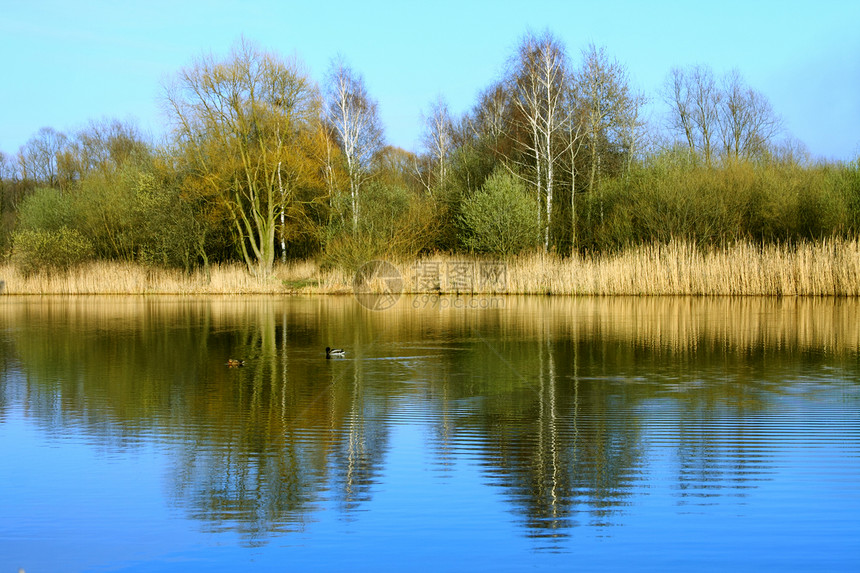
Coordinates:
x,y
590,433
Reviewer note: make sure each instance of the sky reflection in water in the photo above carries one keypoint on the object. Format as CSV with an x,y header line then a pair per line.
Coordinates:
x,y
666,433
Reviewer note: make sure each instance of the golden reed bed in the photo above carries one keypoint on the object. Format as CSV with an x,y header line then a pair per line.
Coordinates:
x,y
825,268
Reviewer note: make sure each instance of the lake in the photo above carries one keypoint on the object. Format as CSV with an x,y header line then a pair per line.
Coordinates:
x,y
457,434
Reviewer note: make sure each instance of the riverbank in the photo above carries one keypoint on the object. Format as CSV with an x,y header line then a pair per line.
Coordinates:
x,y
825,268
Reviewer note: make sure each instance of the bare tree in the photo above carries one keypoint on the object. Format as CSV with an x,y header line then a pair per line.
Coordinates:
x,y
676,93
706,107
355,119
748,123
103,146
107,144
695,99
727,118
538,90
631,130
791,151
492,114
439,139
7,168
575,132
38,158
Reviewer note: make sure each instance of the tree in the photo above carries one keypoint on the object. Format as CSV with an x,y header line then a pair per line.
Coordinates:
x,y
695,100
38,157
726,118
104,146
245,127
394,165
747,121
492,114
574,132
677,94
7,169
52,250
481,139
706,108
439,140
13,190
538,91
610,110
354,117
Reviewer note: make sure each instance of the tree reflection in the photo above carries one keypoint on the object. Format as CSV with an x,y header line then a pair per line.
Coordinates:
x,y
555,439
563,401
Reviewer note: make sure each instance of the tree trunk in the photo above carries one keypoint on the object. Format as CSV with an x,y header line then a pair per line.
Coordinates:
x,y
572,210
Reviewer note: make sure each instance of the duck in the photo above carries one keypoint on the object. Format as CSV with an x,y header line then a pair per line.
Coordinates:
x,y
336,352
233,363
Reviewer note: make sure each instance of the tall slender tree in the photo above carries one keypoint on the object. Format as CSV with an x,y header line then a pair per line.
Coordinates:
x,y
438,139
608,104
353,114
574,131
538,93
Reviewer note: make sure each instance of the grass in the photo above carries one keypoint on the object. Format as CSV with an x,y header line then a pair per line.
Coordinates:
x,y
824,268
107,277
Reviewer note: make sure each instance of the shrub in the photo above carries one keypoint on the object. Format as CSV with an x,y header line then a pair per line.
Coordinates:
x,y
35,250
394,223
45,209
500,218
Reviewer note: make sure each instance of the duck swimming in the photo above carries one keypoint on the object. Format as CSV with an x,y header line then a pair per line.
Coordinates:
x,y
233,363
336,352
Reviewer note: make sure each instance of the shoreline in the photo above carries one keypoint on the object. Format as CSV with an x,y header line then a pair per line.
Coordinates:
x,y
823,268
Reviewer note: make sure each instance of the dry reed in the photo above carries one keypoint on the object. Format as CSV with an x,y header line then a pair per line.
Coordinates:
x,y
106,277
825,268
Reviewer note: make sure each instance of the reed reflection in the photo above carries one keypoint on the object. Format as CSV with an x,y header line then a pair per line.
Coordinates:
x,y
563,402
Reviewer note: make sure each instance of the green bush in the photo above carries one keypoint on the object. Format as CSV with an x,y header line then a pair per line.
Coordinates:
x,y
35,250
105,209
45,209
663,200
847,181
500,218
129,215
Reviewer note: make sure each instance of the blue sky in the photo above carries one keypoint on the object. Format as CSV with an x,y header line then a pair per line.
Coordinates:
x,y
64,63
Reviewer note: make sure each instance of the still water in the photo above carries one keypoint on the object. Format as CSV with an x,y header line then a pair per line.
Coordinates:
x,y
669,434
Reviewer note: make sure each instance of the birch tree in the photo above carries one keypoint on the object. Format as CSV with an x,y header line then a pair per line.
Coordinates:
x,y
353,114
538,94
438,140
574,131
